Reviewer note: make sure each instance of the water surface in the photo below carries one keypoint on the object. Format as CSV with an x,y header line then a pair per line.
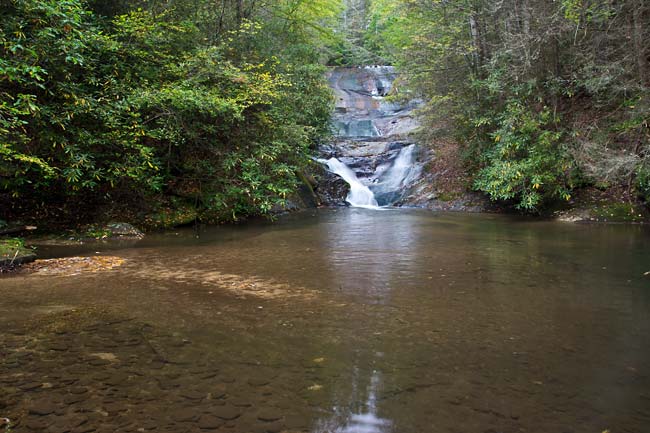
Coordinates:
x,y
346,320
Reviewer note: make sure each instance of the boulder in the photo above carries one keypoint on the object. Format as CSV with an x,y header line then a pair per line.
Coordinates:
x,y
118,229
331,189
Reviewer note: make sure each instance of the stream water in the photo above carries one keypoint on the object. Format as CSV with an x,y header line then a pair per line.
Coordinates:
x,y
346,320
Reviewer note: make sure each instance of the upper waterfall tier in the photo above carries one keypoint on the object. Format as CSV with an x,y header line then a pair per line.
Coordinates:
x,y
362,110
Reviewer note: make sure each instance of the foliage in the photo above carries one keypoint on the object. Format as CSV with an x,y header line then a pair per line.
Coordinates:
x,y
143,100
484,67
643,182
12,249
525,163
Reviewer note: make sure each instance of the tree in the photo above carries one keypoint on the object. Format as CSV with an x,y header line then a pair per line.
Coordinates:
x,y
154,102
568,70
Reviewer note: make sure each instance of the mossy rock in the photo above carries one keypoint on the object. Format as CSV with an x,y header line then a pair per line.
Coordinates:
x,y
14,252
620,212
613,212
123,229
449,196
176,215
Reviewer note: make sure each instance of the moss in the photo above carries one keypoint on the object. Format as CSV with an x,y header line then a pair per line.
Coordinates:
x,y
95,232
448,196
305,190
176,213
13,251
619,212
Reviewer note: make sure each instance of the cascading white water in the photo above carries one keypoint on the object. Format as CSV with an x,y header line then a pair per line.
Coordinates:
x,y
371,130
401,173
359,195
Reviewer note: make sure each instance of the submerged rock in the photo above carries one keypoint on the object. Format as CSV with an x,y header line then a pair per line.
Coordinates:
x,y
73,265
42,407
227,413
210,422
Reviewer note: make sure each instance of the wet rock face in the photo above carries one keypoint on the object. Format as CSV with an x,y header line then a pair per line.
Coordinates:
x,y
373,135
330,189
362,110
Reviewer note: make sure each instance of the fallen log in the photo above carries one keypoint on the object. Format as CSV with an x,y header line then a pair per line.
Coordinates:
x,y
14,230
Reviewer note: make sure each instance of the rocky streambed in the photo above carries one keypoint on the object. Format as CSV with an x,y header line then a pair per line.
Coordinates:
x,y
376,138
87,370
372,131
337,320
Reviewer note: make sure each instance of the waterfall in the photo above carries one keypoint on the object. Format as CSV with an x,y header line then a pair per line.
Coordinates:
x,y
360,195
375,133
384,76
402,172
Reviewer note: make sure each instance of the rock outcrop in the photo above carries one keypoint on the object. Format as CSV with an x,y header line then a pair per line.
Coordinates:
x,y
374,136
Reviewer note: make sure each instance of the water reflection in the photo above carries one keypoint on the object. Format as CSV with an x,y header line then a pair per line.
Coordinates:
x,y
367,258
363,420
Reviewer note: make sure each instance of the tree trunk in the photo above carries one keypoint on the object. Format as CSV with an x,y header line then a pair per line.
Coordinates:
x,y
239,11
641,50
477,42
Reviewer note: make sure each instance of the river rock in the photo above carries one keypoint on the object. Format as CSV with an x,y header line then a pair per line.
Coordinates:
x,y
73,398
210,422
184,414
268,427
119,229
30,386
37,424
193,395
258,381
227,413
240,402
269,415
42,407
78,390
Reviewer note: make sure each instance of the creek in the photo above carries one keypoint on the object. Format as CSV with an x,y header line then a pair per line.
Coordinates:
x,y
346,320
